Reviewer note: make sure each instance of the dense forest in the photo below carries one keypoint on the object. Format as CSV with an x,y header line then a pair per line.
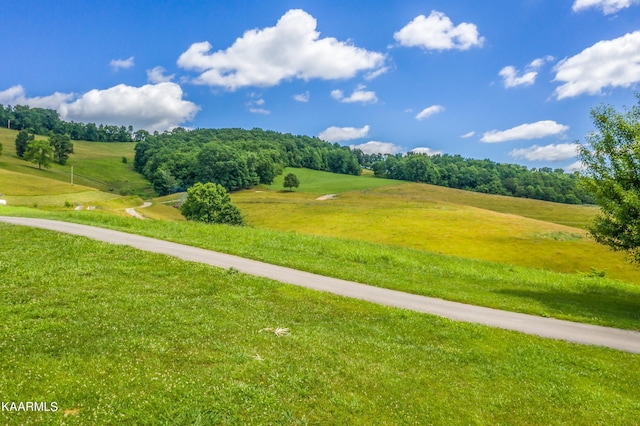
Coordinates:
x,y
233,158
237,158
42,121
485,176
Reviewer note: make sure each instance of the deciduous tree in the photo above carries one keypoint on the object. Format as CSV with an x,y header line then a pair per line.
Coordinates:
x,y
62,147
210,203
291,181
40,152
611,157
22,140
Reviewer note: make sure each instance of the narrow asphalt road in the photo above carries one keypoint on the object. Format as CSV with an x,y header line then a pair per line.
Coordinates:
x,y
624,340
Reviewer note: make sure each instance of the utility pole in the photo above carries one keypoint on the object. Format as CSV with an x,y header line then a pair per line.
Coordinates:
x,y
9,123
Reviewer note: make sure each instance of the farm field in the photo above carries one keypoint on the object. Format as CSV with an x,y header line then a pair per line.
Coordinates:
x,y
440,220
77,330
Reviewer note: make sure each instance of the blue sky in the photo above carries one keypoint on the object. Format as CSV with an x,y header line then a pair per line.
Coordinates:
x,y
508,80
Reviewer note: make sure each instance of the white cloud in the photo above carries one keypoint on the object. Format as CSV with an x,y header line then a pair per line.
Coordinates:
x,y
578,166
157,75
302,97
468,135
119,64
376,147
607,6
15,95
608,63
375,74
559,152
429,111
535,130
255,105
512,77
426,151
336,134
358,95
259,111
291,49
437,32
151,107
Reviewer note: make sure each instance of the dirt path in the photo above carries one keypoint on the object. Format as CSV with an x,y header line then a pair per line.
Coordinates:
x,y
133,212
546,327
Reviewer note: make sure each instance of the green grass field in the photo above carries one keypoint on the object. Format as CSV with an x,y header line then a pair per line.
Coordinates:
x,y
576,297
95,164
117,336
439,220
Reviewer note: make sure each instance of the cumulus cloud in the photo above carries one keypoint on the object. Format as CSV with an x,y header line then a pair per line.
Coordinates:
x,y
291,49
358,95
157,75
120,64
16,95
513,78
558,152
151,107
537,130
468,135
429,111
426,151
437,32
302,97
376,147
608,63
607,6
337,134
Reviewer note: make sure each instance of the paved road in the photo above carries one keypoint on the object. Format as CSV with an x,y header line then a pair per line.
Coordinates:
x,y
546,327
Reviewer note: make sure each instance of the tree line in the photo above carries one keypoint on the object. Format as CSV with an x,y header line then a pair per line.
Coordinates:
x,y
43,121
486,176
234,158
237,158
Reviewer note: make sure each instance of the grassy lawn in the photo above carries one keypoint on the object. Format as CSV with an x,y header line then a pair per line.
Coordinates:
x,y
576,297
118,336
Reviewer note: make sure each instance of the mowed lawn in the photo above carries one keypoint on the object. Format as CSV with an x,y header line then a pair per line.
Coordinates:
x,y
117,336
441,220
586,298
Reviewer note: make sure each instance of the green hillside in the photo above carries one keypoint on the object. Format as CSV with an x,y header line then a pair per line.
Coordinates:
x,y
97,165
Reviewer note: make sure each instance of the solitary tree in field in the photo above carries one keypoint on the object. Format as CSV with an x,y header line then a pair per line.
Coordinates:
x,y
39,151
291,181
210,203
611,157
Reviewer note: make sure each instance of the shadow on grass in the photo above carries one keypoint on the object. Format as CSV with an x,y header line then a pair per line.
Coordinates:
x,y
603,305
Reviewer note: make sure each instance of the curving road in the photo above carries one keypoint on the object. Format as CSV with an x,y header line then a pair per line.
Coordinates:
x,y
624,340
